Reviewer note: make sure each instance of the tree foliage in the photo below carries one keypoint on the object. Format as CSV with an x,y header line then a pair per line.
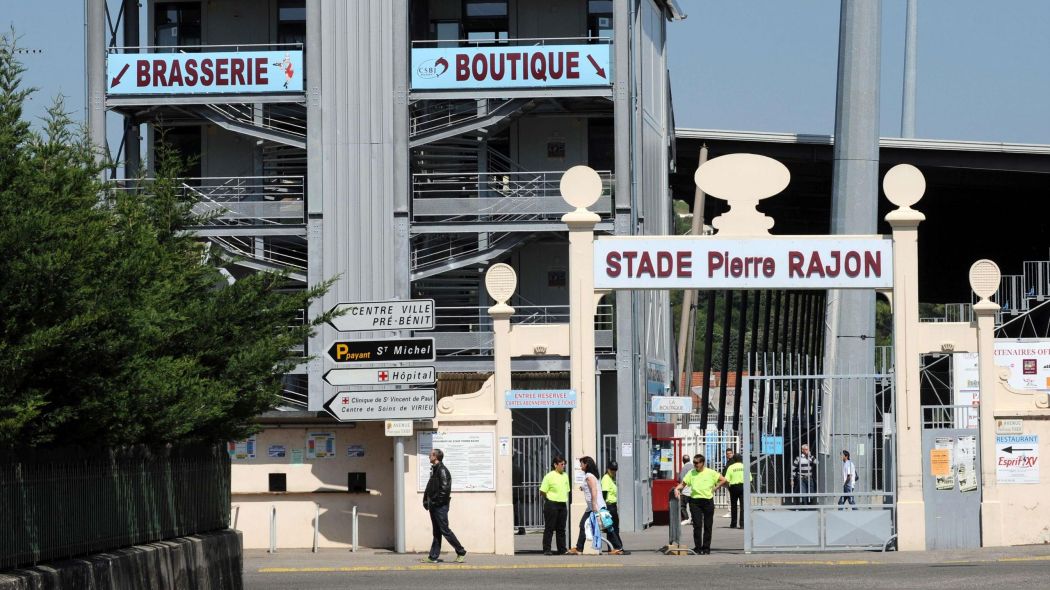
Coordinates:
x,y
118,328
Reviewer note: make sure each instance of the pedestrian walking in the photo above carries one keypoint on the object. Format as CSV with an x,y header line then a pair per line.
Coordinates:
x,y
436,499
735,479
703,482
849,481
555,491
687,466
730,453
592,499
803,473
609,490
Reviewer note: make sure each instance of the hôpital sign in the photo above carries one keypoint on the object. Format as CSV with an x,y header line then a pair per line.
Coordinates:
x,y
367,316
818,262
382,376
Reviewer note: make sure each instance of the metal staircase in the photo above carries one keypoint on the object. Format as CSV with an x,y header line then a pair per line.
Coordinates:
x,y
431,121
1024,301
279,123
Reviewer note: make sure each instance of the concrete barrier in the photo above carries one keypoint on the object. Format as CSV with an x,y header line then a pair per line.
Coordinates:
x,y
211,561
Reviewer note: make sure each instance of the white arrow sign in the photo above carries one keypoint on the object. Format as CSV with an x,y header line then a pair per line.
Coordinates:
x,y
366,316
384,376
399,404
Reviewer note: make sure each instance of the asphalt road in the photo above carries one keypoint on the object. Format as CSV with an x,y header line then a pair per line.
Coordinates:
x,y
692,573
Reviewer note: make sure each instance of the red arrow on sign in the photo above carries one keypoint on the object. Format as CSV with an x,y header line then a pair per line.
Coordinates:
x,y
116,79
597,68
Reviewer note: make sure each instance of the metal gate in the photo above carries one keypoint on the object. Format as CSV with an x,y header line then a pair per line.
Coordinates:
x,y
713,446
531,461
785,511
951,477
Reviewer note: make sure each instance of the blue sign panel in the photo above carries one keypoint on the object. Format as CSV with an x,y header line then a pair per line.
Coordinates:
x,y
538,66
772,445
525,399
238,72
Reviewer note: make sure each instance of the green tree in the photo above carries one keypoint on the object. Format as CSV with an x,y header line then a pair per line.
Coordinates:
x,y
116,327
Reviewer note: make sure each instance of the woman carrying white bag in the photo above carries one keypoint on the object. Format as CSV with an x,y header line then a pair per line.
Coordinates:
x,y
596,512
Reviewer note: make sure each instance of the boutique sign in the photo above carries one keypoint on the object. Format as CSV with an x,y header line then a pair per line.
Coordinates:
x,y
463,68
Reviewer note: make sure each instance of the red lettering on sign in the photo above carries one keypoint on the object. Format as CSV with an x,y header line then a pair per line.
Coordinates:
x,y
222,66
685,264
795,260
207,74
237,71
873,264
664,264
612,264
852,263
645,265
141,72
158,72
715,260
462,67
261,75
191,72
572,65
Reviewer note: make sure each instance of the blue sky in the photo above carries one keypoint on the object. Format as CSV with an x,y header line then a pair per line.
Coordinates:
x,y
770,65
756,65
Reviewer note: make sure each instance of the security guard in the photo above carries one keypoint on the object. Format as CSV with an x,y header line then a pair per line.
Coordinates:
x,y
609,493
555,492
735,478
703,482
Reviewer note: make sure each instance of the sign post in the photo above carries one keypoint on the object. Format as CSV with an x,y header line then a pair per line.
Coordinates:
x,y
370,316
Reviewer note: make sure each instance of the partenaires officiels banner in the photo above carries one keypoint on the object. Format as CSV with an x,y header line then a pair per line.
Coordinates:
x,y
532,66
242,72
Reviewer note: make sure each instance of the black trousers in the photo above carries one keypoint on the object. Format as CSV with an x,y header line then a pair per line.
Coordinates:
x,y
581,539
554,516
614,534
736,504
439,522
703,513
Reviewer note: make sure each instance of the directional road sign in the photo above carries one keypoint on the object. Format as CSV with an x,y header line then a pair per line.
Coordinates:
x,y
382,351
382,376
367,316
389,404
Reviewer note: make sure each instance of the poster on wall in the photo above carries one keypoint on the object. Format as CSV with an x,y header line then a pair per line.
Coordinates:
x,y
469,456
1028,361
657,380
241,450
320,445
941,462
276,451
966,462
966,389
355,451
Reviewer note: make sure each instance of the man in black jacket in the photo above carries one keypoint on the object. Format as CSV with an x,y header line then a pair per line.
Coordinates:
x,y
436,499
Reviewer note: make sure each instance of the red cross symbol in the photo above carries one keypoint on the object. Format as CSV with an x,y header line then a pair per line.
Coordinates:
x,y
346,400
383,376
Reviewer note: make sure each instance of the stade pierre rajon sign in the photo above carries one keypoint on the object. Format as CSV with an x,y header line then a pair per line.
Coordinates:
x,y
796,262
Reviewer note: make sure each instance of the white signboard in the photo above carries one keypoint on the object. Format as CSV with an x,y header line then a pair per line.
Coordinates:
x,y
383,376
398,428
966,389
227,72
1017,458
366,316
548,66
1029,363
389,404
818,262
681,404
1009,426
469,456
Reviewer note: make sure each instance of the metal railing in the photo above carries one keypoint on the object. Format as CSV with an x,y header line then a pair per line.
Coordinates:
x,y
58,504
1037,279
429,117
513,42
496,197
429,250
237,47
265,250
281,118
476,318
236,200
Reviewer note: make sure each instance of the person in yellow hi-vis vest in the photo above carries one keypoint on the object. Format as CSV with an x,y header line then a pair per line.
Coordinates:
x,y
555,491
703,481
735,479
